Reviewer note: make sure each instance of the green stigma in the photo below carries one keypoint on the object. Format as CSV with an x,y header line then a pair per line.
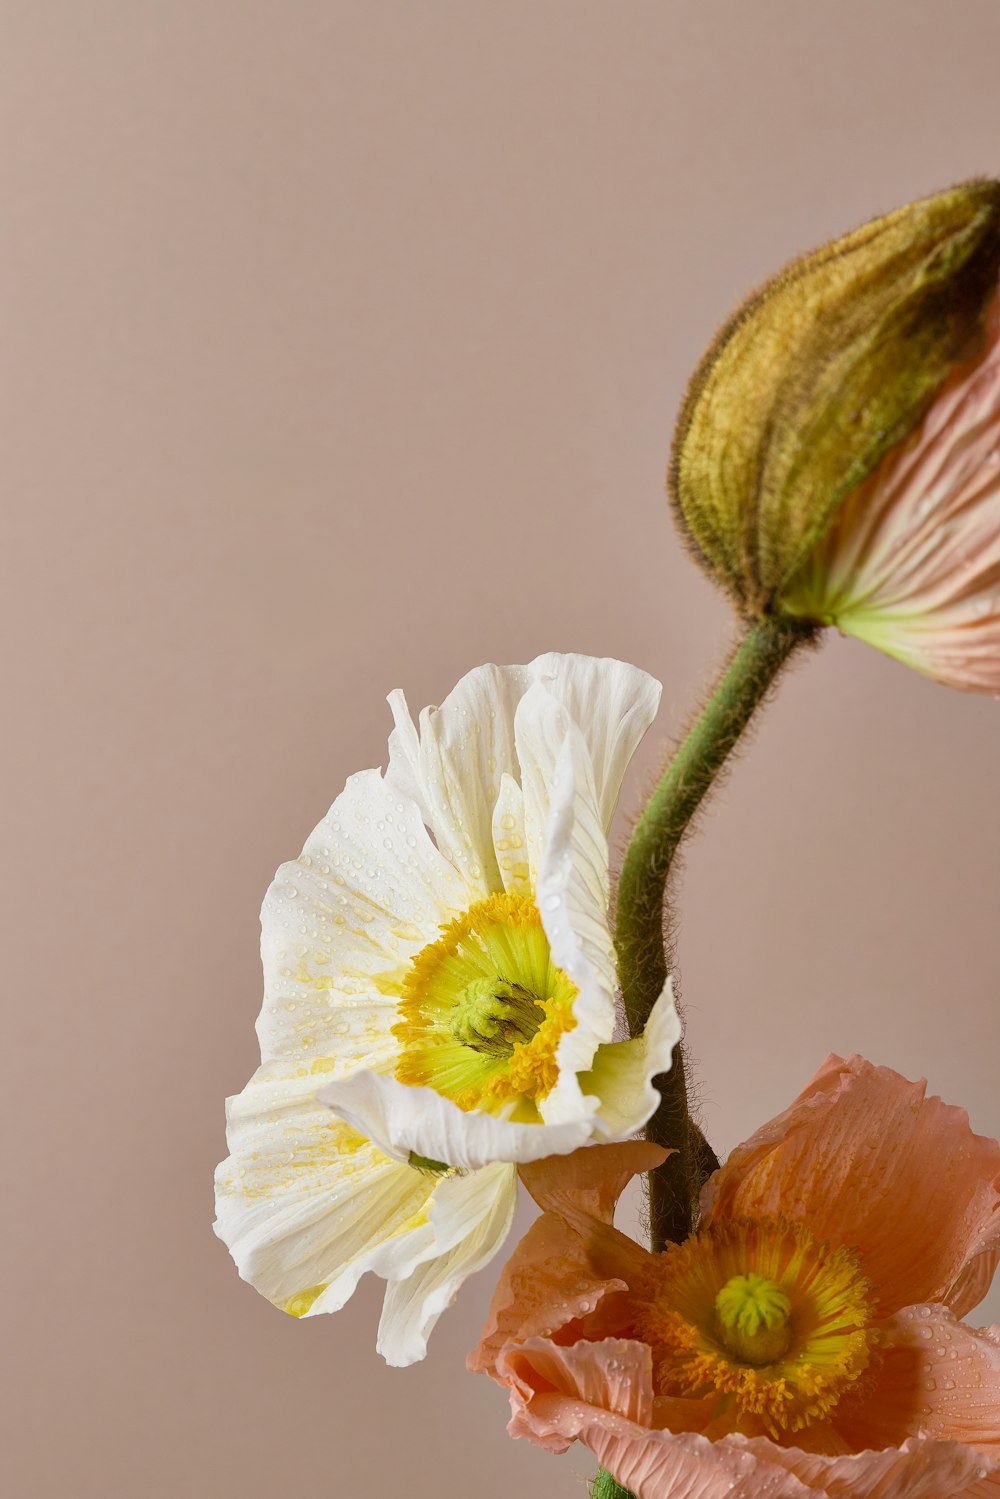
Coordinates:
x,y
753,1318
492,1015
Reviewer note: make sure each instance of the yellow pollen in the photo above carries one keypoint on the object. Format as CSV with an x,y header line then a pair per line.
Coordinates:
x,y
483,1009
759,1313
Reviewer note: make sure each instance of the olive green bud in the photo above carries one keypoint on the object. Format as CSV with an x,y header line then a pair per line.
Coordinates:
x,y
822,372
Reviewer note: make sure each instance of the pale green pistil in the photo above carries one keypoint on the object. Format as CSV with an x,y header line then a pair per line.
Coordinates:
x,y
493,1016
752,1315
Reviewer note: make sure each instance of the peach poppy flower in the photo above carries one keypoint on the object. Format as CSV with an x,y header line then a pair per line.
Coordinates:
x,y
804,1341
911,562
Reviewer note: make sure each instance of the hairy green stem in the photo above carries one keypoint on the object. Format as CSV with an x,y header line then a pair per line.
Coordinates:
x,y
639,938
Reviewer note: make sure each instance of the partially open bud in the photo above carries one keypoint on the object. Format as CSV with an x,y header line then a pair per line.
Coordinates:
x,y
838,454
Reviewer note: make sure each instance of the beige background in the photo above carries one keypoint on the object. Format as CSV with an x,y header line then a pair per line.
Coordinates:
x,y
341,344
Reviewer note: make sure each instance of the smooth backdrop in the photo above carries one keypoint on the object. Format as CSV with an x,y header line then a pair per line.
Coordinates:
x,y
341,344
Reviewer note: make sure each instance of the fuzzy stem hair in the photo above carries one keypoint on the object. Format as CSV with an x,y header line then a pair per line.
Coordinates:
x,y
743,686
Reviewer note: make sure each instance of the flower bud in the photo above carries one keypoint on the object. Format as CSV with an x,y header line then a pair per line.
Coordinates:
x,y
803,426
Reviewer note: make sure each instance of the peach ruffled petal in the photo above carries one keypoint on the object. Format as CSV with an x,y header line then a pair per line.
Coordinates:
x,y
590,1179
653,1465
548,1286
937,1378
974,1282
571,1259
864,1159
917,1469
599,1393
614,1375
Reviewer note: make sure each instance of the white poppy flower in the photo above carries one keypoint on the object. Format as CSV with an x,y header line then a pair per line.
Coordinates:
x,y
440,998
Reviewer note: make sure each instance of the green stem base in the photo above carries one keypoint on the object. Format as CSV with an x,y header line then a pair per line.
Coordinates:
x,y
606,1487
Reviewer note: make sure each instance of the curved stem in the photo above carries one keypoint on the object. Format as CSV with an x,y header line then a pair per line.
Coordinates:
x,y
639,938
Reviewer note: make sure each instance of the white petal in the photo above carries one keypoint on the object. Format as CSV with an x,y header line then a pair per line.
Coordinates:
x,y
404,754
541,728
612,704
303,1201
573,897
454,767
509,838
471,1217
403,1119
622,1074
456,763
341,923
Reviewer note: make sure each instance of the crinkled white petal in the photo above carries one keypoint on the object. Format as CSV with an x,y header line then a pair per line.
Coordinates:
x,y
404,1120
510,839
622,1074
471,1217
368,892
541,728
454,765
573,898
611,703
303,1201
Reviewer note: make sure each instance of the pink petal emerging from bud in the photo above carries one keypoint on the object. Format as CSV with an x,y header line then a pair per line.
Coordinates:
x,y
911,563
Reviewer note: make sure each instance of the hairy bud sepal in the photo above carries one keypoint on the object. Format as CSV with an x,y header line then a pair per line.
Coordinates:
x,y
823,371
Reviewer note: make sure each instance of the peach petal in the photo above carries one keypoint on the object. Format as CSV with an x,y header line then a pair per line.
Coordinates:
x,y
590,1179
864,1159
653,1465
936,1378
918,1469
974,1282
547,1284
614,1376
601,1394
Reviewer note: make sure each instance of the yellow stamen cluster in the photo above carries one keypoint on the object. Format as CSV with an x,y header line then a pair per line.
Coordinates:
x,y
483,1009
761,1313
